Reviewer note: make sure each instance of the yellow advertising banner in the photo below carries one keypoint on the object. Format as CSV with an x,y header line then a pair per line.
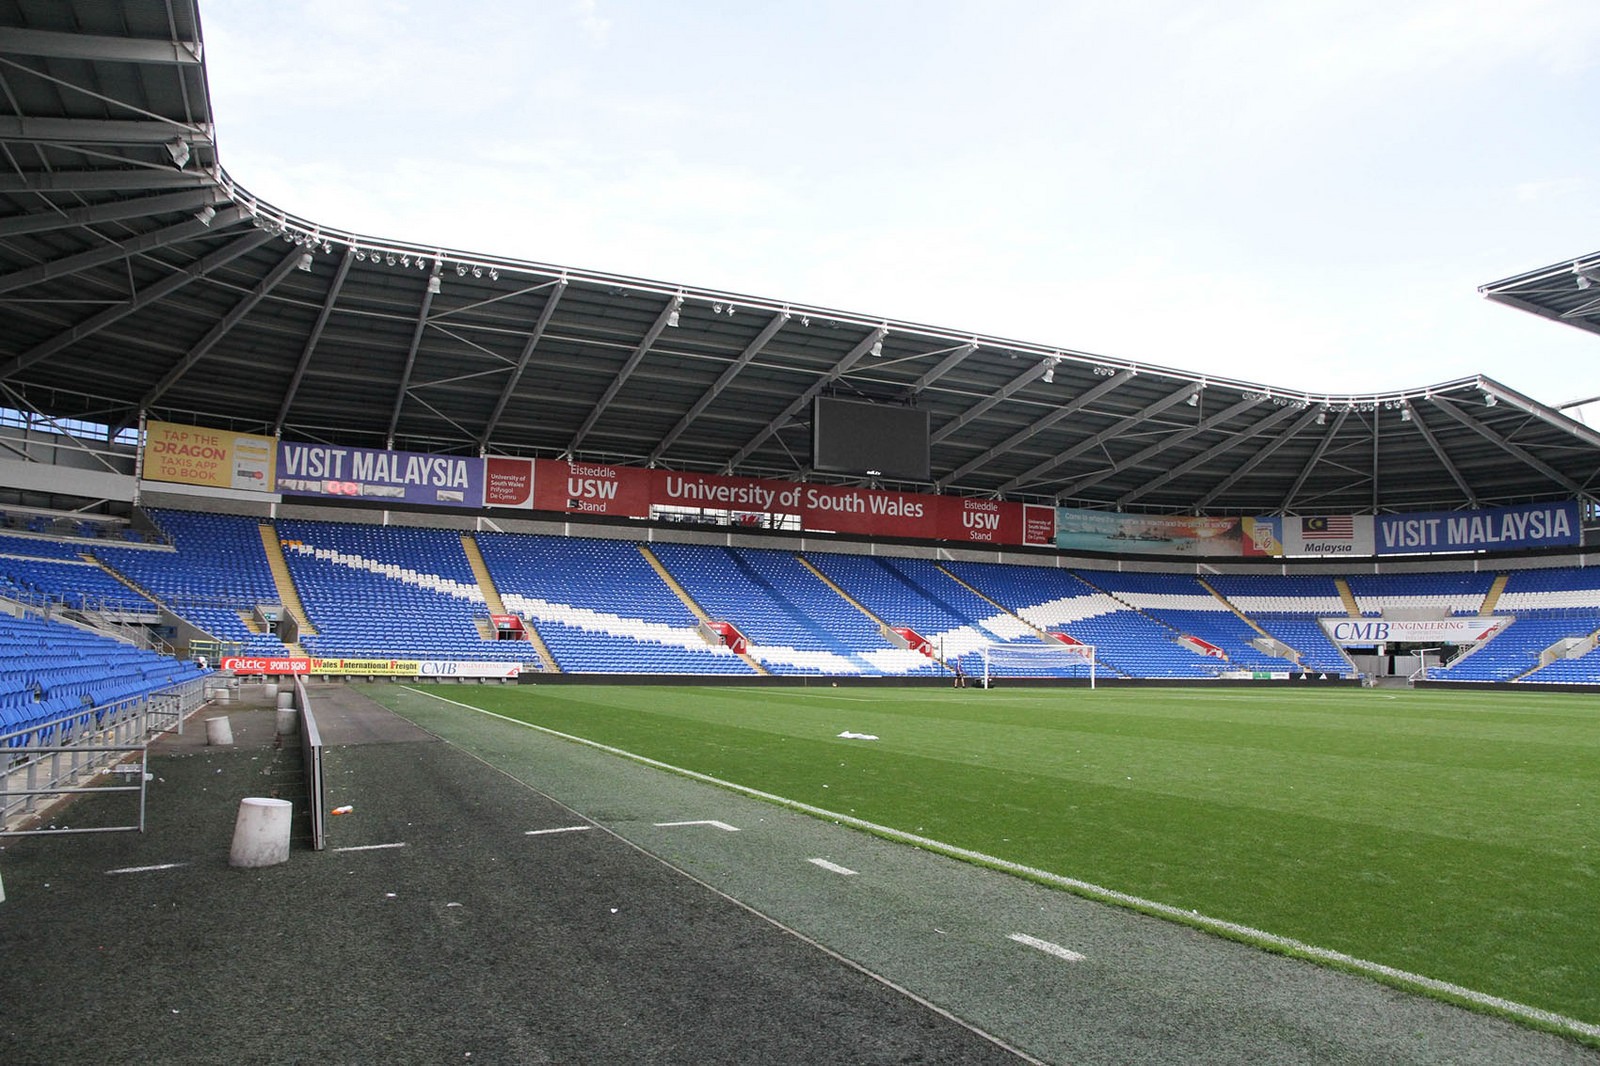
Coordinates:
x,y
216,458
368,667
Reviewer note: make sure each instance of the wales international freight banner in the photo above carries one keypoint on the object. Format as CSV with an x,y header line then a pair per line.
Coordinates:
x,y
414,668
379,476
215,458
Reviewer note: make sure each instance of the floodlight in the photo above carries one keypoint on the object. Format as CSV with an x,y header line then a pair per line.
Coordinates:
x,y
178,149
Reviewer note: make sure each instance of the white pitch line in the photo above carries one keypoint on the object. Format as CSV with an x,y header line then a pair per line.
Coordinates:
x,y
1087,889
563,829
1048,948
832,867
724,826
372,847
147,869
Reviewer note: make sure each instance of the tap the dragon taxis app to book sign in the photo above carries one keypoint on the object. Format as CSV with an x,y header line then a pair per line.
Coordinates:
x,y
217,458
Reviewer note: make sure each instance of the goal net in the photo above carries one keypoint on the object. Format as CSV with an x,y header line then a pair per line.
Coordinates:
x,y
1037,660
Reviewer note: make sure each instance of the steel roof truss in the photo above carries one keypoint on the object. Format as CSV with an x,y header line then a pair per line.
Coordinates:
x,y
842,367
115,250
1307,418
1226,445
1168,441
1098,440
528,346
410,364
1421,427
115,211
1010,388
165,287
634,359
343,271
1316,457
220,330
753,349
1071,407
1515,450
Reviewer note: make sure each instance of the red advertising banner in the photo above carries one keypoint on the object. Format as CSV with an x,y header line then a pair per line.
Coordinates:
x,y
241,664
714,491
1038,525
507,482
868,512
978,521
591,488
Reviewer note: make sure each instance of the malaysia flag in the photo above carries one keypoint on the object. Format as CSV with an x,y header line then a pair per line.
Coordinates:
x,y
1329,527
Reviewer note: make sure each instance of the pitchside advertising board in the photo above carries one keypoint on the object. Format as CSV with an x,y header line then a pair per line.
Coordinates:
x,y
303,665
197,456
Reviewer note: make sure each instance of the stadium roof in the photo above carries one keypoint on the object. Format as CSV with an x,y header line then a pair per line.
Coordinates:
x,y
139,279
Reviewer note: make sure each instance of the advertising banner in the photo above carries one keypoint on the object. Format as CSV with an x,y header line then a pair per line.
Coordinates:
x,y
1109,531
1038,525
978,521
245,664
507,482
1348,632
591,488
1328,535
715,492
379,476
1533,525
414,668
215,458
1262,536
868,512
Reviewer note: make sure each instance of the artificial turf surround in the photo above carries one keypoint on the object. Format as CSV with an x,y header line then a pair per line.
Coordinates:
x,y
1448,834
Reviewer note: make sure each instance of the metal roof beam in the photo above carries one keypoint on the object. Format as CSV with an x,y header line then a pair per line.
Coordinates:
x,y
1073,406
99,130
545,315
842,367
149,295
115,211
410,364
121,180
943,367
1444,459
988,403
220,330
1161,445
54,45
111,252
1115,430
1222,448
1541,411
622,375
1316,457
753,349
1514,450
1261,456
314,338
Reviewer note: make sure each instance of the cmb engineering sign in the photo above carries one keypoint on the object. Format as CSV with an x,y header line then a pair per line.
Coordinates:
x,y
1363,632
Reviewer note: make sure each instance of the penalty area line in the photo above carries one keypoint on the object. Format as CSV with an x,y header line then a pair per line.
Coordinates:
x,y
1087,889
371,847
1048,948
148,869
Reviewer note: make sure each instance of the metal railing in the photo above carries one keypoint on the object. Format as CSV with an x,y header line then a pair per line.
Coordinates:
x,y
50,760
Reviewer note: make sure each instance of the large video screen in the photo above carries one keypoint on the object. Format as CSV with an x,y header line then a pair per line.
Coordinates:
x,y
871,439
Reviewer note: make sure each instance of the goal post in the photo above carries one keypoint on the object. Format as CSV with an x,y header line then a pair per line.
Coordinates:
x,y
1054,659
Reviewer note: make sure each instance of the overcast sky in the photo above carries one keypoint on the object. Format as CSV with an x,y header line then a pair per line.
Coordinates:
x,y
1298,194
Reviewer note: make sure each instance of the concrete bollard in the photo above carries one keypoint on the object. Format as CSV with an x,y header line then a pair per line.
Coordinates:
x,y
261,832
285,698
219,730
270,689
288,720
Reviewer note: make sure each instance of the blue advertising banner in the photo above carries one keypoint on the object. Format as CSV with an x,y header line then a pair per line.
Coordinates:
x,y
376,475
1533,525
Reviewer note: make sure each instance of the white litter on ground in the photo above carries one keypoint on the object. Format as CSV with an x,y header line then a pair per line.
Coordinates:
x,y
847,735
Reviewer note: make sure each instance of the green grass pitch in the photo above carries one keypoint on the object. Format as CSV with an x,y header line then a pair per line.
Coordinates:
x,y
1451,834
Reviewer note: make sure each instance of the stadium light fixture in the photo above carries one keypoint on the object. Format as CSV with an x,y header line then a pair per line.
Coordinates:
x,y
305,261
178,149
1490,399
461,270
494,275
1049,372
433,284
477,272
205,214
1405,412
672,315
389,259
